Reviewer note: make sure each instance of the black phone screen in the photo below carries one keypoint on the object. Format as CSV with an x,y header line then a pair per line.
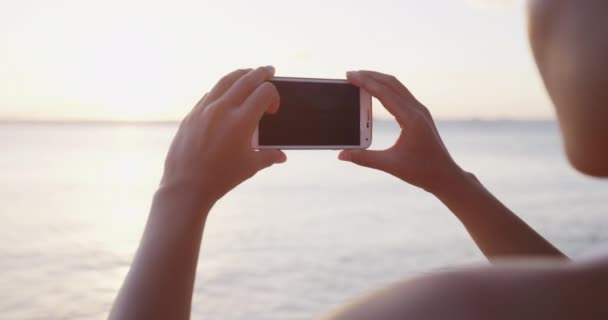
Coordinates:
x,y
313,114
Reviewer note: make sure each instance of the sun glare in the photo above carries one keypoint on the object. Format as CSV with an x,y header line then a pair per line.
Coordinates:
x,y
131,86
152,61
491,3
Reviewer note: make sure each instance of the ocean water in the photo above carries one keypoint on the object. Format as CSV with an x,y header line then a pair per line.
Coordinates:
x,y
289,244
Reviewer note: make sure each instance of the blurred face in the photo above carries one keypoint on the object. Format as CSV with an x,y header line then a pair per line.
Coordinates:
x,y
570,44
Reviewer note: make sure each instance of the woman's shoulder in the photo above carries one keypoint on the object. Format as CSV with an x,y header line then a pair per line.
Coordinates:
x,y
510,289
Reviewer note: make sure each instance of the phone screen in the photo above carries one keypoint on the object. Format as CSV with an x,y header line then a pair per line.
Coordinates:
x,y
313,114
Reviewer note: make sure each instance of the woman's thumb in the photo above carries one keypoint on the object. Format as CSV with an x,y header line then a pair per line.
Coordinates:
x,y
365,158
266,158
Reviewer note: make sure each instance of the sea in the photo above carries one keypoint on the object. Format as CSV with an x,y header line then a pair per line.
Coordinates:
x,y
291,243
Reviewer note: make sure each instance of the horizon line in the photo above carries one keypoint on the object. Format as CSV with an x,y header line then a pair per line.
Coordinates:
x,y
60,121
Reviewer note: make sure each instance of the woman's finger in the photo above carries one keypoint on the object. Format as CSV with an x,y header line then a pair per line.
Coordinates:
x,y
410,100
224,84
264,98
245,85
390,81
405,92
218,90
375,159
266,158
395,84
387,96
197,107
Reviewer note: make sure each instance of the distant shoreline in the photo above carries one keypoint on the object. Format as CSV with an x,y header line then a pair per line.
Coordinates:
x,y
87,122
176,122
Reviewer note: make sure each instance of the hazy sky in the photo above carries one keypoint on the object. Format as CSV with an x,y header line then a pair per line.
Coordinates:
x,y
152,60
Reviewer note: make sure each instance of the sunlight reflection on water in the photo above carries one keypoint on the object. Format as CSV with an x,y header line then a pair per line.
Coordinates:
x,y
288,244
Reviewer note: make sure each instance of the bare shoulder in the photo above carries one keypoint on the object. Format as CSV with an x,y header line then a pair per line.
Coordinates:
x,y
542,289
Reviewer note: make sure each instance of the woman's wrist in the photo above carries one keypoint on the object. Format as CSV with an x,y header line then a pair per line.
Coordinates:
x,y
184,199
453,184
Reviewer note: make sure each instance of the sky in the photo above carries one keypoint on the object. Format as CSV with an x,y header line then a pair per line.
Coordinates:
x,y
152,60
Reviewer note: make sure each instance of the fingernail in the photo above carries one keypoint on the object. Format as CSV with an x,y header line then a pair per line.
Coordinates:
x,y
281,158
345,156
271,68
352,74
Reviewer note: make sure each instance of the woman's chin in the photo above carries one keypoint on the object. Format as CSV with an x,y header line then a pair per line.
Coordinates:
x,y
592,163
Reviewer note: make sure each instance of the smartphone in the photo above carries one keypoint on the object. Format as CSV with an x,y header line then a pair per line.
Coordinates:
x,y
317,114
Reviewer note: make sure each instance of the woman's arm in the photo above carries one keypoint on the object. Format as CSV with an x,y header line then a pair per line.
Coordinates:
x,y
496,230
528,290
210,154
419,157
161,279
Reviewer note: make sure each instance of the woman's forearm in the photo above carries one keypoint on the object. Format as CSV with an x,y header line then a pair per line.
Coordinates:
x,y
496,230
210,154
160,282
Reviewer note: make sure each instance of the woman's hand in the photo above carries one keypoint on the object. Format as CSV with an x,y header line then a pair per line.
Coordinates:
x,y
419,157
211,152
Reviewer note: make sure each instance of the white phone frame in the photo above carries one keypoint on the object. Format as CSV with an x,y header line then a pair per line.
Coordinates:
x,y
365,107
